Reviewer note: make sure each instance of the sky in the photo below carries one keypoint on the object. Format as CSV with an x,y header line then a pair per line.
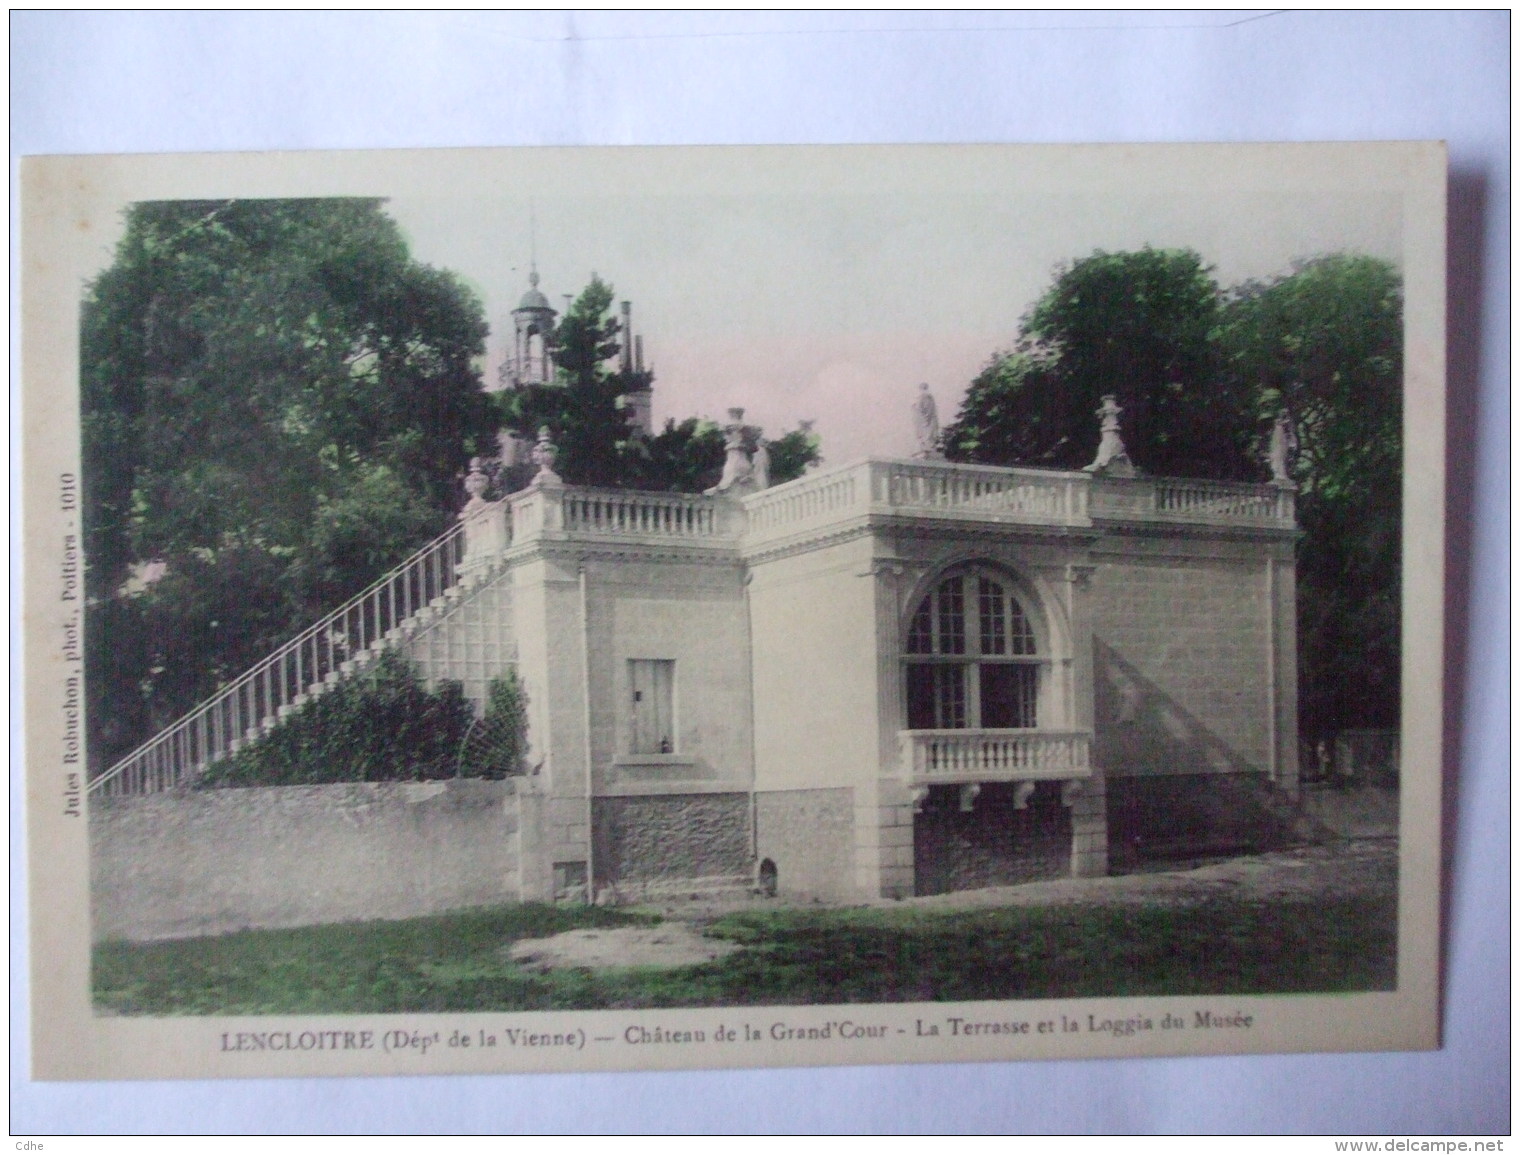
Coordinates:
x,y
833,298
821,283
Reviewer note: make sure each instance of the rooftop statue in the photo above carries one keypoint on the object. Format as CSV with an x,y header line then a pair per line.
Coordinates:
x,y
926,426
1113,458
760,465
1282,448
738,471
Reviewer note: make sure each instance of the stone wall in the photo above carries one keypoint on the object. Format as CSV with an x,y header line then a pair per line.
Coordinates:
x,y
670,837
808,835
1183,665
995,843
212,861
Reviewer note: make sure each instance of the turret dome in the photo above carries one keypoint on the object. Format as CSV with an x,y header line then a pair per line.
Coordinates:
x,y
533,301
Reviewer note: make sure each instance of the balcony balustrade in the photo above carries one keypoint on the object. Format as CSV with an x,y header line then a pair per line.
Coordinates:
x,y
930,756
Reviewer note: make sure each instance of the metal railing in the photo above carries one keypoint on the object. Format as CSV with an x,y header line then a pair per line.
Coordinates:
x,y
318,657
993,755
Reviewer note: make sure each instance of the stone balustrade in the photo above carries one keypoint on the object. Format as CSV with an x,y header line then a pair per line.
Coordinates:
x,y
1184,501
980,491
918,488
880,488
814,497
929,756
607,513
641,514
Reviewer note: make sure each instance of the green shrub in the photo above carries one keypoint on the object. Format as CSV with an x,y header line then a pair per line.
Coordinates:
x,y
497,744
381,725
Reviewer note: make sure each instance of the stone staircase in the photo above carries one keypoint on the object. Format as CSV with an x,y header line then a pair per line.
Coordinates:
x,y
400,611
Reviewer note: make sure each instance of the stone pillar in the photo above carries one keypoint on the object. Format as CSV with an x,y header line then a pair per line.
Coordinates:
x,y
884,806
1283,622
546,602
884,840
1088,802
535,877
485,533
1086,797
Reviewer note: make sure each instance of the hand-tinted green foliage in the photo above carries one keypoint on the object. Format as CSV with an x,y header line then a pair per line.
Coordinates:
x,y
496,746
584,413
1201,375
275,400
382,725
685,457
1325,341
1140,325
793,452
1017,411
456,962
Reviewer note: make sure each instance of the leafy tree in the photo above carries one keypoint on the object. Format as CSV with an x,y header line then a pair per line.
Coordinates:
x,y
685,457
1201,375
584,411
1325,341
1017,411
581,406
794,452
275,401
1136,324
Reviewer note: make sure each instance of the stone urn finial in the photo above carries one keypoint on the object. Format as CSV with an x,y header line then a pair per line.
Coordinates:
x,y
477,481
544,455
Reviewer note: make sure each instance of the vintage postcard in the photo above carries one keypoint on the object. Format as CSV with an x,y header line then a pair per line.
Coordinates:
x,y
568,609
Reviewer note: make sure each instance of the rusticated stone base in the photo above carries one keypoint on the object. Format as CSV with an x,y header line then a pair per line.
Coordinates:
x,y
665,837
995,843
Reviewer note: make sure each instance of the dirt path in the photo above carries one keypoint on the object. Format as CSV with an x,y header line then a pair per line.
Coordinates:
x,y
1367,866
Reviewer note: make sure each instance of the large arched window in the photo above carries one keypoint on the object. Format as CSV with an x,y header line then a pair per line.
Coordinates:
x,y
973,658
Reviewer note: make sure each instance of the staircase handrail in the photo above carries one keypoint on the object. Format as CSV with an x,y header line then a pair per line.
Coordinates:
x,y
179,725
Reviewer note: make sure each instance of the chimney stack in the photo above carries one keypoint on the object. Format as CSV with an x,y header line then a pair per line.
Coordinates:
x,y
626,358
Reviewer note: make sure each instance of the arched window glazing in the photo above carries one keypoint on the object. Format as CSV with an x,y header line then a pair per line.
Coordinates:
x,y
973,660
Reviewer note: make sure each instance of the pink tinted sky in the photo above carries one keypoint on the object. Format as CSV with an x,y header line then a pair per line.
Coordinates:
x,y
833,299
826,283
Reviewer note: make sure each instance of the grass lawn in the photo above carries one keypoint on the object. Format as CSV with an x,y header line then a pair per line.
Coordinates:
x,y
457,962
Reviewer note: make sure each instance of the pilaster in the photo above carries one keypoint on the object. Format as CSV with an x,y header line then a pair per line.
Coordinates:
x,y
1088,802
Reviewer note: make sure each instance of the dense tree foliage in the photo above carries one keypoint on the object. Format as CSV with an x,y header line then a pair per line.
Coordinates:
x,y
276,400
584,411
1325,341
1141,325
1201,374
